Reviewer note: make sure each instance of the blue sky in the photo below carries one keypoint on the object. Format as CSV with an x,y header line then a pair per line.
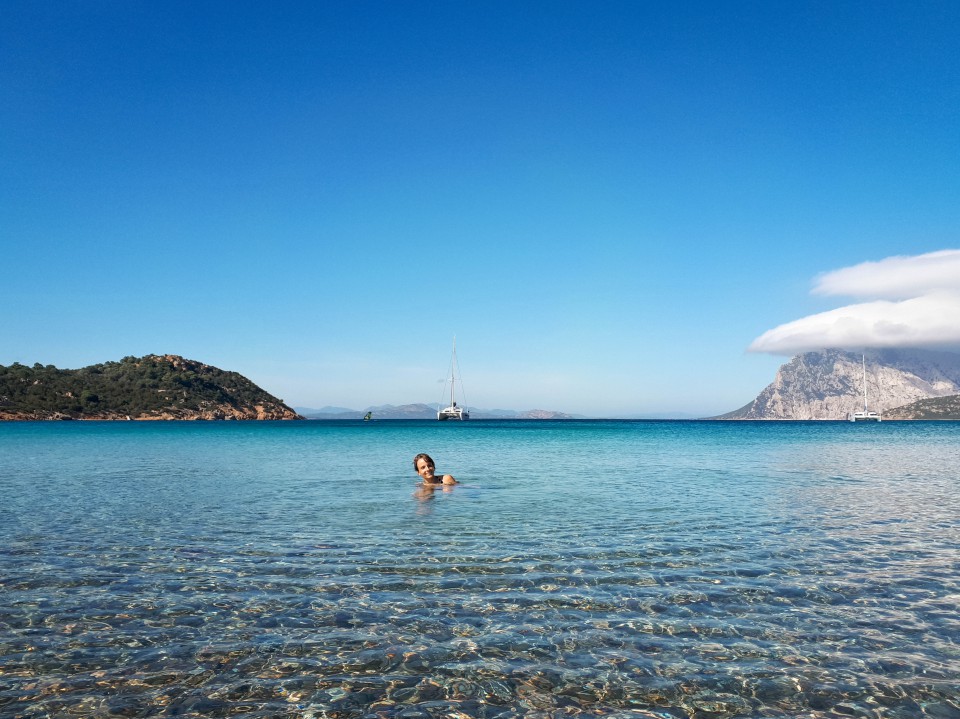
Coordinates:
x,y
605,203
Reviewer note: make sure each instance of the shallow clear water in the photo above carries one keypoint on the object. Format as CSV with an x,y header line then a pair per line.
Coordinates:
x,y
622,569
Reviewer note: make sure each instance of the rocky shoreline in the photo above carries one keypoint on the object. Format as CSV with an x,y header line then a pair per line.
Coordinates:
x,y
211,415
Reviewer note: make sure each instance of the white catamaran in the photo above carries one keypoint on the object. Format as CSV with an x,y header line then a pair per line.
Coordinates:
x,y
453,411
866,415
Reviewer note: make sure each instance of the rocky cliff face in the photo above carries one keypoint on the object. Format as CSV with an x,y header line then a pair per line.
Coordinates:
x,y
829,384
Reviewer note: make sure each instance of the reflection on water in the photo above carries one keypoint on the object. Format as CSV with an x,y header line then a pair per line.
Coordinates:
x,y
426,492
582,569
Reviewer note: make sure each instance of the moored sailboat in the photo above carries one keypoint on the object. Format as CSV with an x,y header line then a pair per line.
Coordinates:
x,y
453,411
866,415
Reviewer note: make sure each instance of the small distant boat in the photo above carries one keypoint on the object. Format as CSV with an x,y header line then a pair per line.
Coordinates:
x,y
368,416
453,411
866,415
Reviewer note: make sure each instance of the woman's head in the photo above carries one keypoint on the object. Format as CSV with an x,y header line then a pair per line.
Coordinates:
x,y
426,458
425,467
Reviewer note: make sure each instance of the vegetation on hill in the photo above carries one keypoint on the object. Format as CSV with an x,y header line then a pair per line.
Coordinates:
x,y
150,387
933,408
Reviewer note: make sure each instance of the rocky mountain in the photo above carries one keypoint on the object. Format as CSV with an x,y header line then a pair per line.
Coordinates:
x,y
829,384
543,414
154,387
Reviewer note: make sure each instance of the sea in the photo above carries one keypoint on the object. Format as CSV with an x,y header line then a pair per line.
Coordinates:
x,y
627,569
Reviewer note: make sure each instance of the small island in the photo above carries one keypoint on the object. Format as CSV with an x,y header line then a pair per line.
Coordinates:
x,y
153,387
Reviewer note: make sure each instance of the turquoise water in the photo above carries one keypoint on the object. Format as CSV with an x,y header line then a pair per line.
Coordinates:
x,y
581,569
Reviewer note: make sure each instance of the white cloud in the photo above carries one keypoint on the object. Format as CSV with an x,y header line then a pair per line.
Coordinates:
x,y
914,302
895,278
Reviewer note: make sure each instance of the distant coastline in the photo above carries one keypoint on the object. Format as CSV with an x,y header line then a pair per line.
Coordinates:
x,y
424,411
170,387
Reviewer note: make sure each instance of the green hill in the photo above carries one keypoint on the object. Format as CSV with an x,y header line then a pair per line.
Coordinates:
x,y
144,388
933,408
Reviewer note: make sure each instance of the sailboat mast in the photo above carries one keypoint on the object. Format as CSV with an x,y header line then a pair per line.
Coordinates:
x,y
453,369
863,358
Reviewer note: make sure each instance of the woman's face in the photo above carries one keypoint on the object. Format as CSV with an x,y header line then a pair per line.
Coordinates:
x,y
425,470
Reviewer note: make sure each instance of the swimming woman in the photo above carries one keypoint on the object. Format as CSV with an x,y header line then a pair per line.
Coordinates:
x,y
427,470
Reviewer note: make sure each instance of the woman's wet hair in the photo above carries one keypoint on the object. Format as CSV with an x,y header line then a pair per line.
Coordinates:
x,y
420,456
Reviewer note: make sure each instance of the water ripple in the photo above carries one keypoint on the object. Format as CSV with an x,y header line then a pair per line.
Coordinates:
x,y
815,587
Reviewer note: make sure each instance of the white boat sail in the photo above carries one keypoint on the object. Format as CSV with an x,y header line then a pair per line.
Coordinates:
x,y
866,415
453,410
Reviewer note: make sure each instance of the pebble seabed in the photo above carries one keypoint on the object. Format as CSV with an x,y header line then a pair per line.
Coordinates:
x,y
673,630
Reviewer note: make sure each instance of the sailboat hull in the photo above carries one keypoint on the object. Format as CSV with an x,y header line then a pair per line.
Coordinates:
x,y
457,413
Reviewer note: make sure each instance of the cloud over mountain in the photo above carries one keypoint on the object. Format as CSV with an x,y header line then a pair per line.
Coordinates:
x,y
912,301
